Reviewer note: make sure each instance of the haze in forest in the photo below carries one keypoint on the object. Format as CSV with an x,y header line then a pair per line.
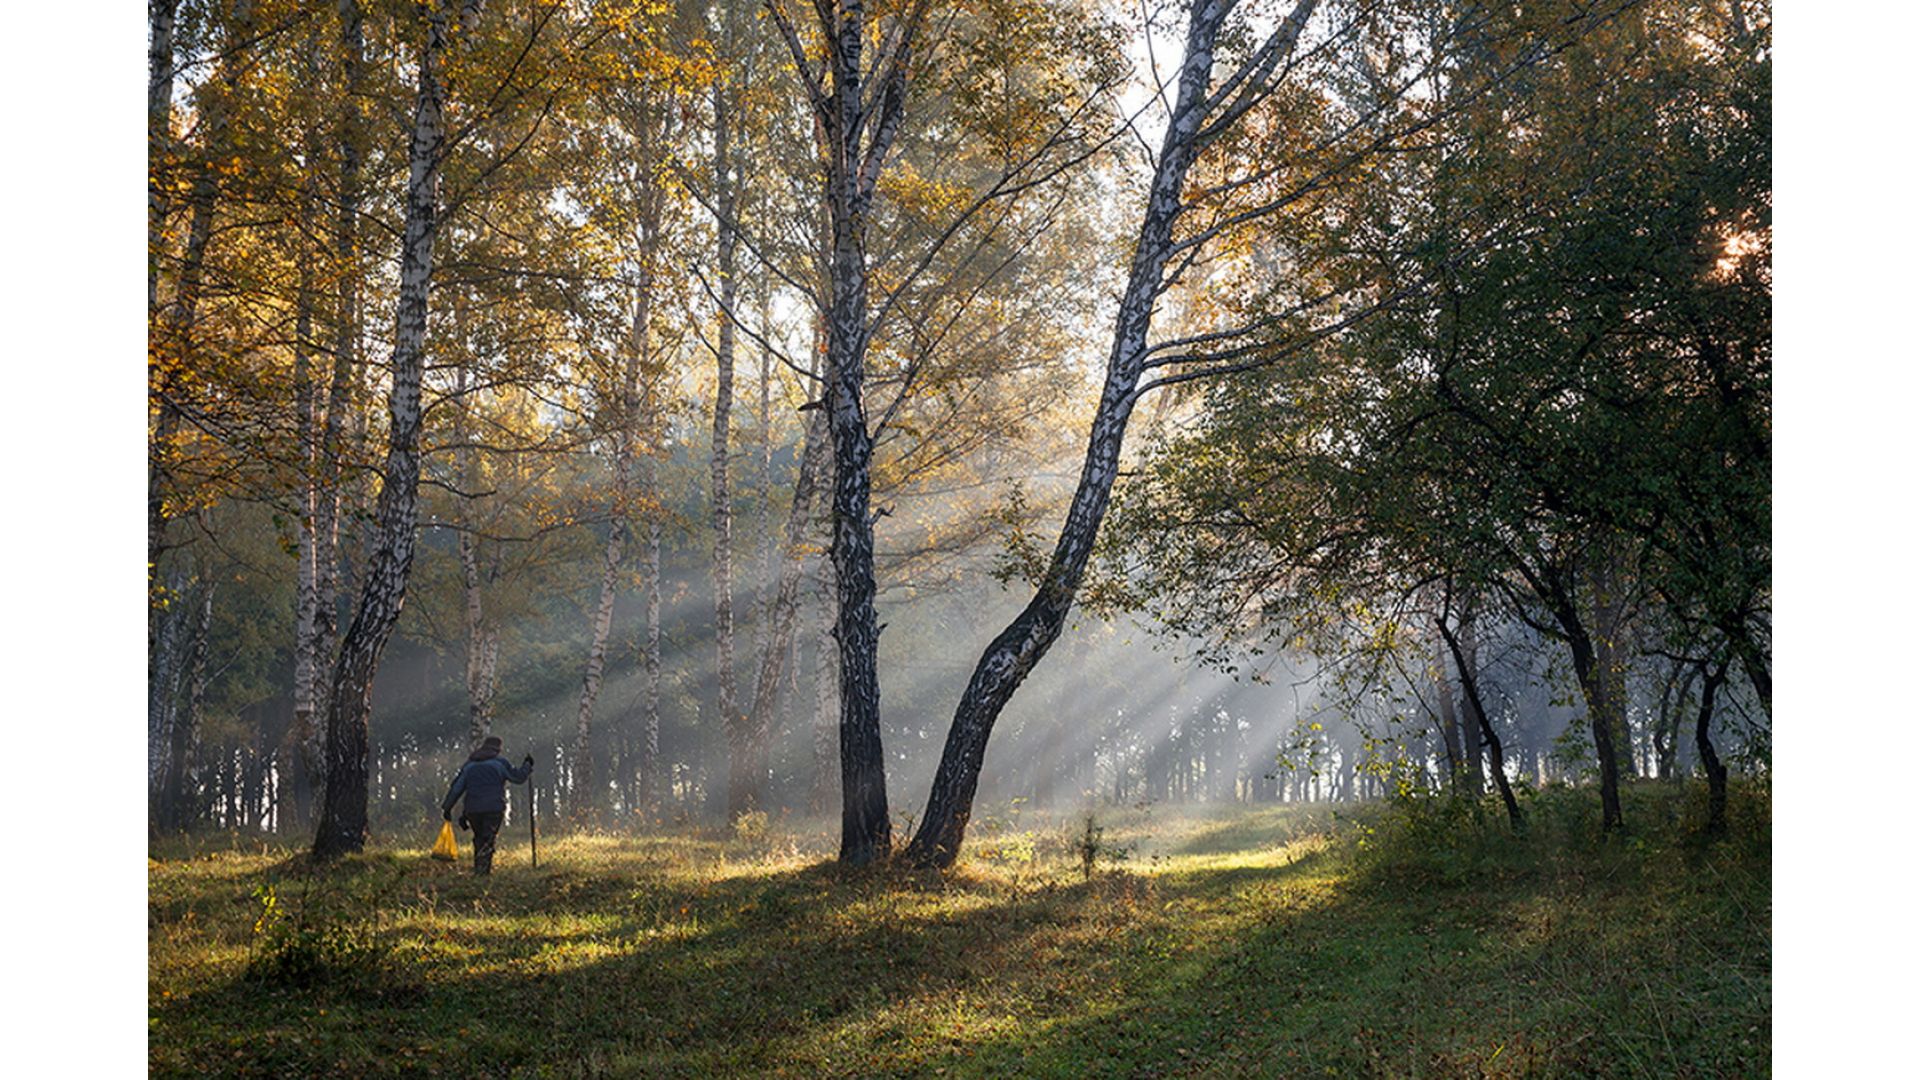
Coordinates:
x,y
885,425
603,395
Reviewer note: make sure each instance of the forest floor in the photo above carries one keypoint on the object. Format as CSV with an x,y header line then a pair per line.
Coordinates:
x,y
1283,941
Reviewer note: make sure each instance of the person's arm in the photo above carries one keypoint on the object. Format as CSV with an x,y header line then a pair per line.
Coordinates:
x,y
519,775
453,793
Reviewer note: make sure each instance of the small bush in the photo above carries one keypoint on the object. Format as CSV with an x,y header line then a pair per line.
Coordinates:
x,y
750,826
1092,847
1447,839
305,951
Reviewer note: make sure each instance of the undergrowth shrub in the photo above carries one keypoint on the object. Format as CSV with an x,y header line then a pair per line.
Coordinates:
x,y
1437,839
750,827
1749,813
1424,839
307,949
1092,846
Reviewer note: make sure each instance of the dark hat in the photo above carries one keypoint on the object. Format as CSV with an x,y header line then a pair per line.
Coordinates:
x,y
491,740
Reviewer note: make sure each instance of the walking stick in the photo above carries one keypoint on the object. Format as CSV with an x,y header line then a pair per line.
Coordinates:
x,y
533,812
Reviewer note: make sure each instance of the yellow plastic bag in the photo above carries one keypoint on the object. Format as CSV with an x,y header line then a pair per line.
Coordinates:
x,y
446,847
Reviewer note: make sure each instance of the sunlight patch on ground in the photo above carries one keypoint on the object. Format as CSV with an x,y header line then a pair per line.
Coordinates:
x,y
1220,944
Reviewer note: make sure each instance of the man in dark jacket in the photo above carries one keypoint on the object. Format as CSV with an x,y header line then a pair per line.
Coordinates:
x,y
483,780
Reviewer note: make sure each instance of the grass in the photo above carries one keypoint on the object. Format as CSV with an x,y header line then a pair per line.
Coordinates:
x,y
1264,942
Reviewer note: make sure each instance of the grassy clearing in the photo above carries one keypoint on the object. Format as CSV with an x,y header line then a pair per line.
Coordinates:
x,y
1270,942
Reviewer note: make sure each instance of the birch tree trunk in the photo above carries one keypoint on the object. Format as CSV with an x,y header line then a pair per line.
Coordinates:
x,y
855,132
170,348
1013,654
650,776
163,695
300,741
762,719
183,779
778,617
586,789
175,333
160,23
482,642
866,831
483,646
306,598
340,384
744,789
343,817
649,772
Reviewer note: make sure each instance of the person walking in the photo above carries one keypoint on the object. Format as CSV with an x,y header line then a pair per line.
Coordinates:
x,y
483,781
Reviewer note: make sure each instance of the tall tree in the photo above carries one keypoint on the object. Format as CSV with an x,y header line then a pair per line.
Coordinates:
x,y
857,127
174,353
745,789
481,637
1199,114
783,606
161,17
645,88
1006,115
306,614
1535,423
343,819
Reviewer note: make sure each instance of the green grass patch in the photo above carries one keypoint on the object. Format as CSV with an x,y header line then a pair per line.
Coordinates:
x,y
1422,942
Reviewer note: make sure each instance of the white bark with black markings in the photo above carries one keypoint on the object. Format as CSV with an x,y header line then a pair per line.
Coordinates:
x,y
343,817
482,640
744,789
1013,654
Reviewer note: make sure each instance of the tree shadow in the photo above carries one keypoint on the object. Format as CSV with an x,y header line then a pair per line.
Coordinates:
x,y
1480,979
1260,969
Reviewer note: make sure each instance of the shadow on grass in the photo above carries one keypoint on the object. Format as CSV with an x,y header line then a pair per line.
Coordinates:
x,y
1571,959
598,971
640,966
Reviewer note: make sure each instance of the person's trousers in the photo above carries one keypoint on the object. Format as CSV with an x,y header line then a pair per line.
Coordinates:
x,y
486,829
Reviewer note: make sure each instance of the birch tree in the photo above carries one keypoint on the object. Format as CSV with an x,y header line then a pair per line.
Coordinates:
x,y
172,346
1200,113
858,107
316,624
161,16
1513,428
647,83
857,127
1250,140
343,819
744,787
